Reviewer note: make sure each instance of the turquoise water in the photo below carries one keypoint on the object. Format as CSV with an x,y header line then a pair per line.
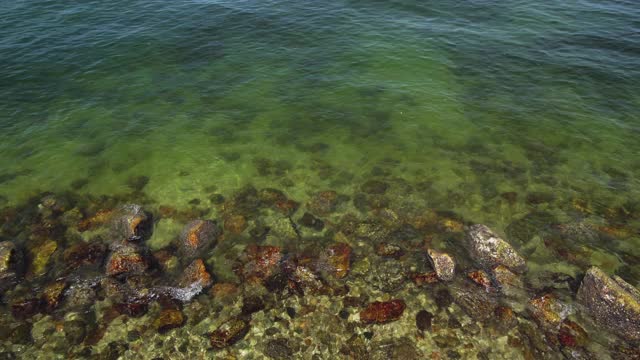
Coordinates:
x,y
458,104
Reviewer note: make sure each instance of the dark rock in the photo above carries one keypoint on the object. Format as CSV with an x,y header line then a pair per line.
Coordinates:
x,y
252,304
344,314
324,202
137,183
374,187
537,198
488,250
612,302
169,319
477,304
278,349
423,320
291,312
511,197
443,298
21,334
382,312
132,307
75,331
229,333
26,308
217,199
84,254
113,351
127,259
133,335
311,221
199,236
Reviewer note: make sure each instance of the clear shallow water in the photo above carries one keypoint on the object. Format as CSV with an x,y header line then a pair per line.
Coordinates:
x,y
464,101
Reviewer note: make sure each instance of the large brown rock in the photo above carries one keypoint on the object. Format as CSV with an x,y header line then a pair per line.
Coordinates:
x,y
199,236
127,259
488,249
612,302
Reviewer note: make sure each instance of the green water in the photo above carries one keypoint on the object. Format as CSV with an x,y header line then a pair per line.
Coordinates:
x,y
455,104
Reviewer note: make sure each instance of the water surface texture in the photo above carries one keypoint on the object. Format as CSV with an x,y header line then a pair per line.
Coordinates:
x,y
521,115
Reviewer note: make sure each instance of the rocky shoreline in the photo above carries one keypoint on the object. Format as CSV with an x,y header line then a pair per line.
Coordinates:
x,y
267,276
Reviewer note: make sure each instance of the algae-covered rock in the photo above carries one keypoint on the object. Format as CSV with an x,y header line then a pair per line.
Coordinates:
x,y
443,264
199,236
11,262
488,249
40,256
612,302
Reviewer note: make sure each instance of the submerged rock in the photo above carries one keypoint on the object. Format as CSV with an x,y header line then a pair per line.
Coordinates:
x,y
443,264
258,263
235,224
488,250
477,304
132,223
310,221
53,294
196,275
11,262
374,187
382,312
548,312
230,332
199,236
338,259
83,254
127,259
613,303
421,279
423,320
40,256
389,250
481,278
324,202
169,319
